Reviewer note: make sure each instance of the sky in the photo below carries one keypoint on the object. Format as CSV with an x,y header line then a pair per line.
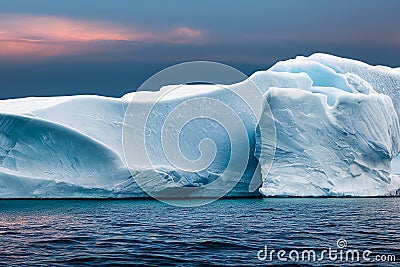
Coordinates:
x,y
69,47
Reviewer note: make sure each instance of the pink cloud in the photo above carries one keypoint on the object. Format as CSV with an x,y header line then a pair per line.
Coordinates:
x,y
23,35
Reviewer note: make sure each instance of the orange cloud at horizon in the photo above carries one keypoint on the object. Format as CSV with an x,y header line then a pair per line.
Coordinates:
x,y
42,36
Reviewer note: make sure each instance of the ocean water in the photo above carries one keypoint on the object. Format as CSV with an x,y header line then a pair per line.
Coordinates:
x,y
225,233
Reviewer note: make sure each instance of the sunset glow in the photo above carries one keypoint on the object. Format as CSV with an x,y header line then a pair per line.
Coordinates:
x,y
22,36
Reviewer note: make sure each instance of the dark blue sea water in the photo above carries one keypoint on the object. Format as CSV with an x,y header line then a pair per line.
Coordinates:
x,y
226,232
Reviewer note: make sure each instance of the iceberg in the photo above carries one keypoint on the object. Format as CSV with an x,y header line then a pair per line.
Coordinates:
x,y
63,147
337,137
336,122
56,147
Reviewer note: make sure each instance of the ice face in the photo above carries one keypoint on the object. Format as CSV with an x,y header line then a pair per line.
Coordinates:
x,y
337,132
325,150
336,137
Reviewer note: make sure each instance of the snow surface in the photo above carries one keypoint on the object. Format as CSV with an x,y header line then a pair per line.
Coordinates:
x,y
337,132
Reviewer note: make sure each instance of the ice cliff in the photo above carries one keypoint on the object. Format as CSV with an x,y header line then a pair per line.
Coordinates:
x,y
338,136
336,121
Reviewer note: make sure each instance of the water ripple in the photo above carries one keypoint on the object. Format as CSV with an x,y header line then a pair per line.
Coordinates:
x,y
225,233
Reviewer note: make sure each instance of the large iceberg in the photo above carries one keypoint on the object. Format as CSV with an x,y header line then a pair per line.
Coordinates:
x,y
337,137
336,121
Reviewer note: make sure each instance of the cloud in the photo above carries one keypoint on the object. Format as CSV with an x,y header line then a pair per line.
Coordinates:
x,y
43,36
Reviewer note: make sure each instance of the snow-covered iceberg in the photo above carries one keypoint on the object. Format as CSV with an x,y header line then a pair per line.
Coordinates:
x,y
57,147
338,136
336,121
72,147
